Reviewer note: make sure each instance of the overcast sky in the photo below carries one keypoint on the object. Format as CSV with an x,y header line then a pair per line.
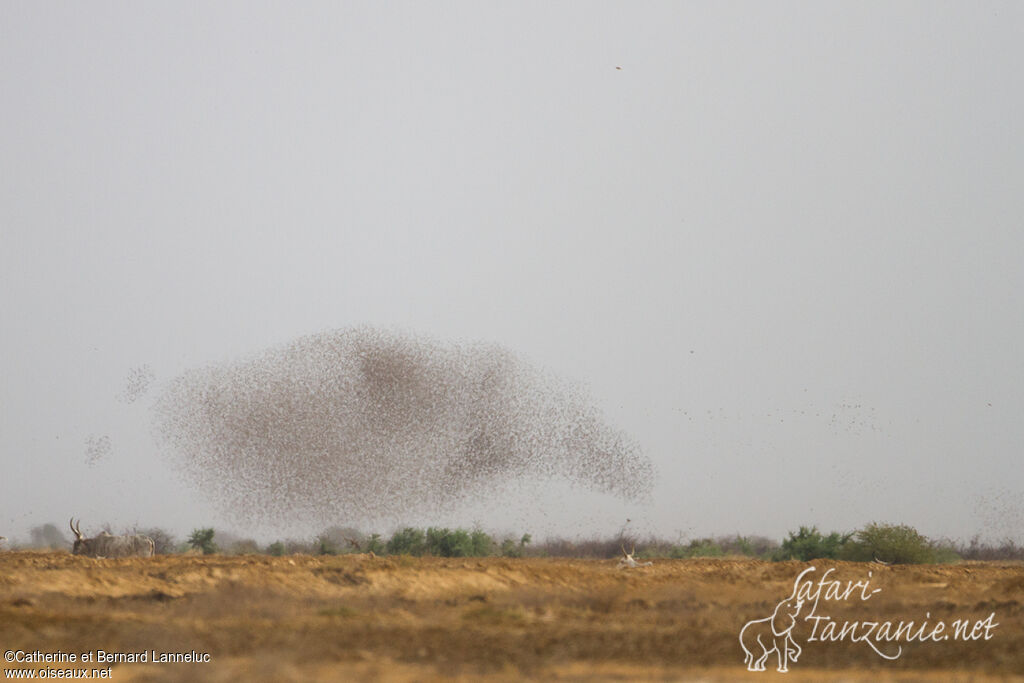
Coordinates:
x,y
780,243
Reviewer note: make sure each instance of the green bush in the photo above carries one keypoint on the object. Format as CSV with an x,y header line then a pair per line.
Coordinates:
x,y
698,547
449,543
407,541
945,553
276,549
326,546
809,544
748,546
742,546
481,543
890,543
202,539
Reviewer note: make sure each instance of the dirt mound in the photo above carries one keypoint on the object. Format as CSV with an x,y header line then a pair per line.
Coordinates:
x,y
401,618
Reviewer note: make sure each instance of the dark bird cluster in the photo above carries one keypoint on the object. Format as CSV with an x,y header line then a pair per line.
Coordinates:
x,y
368,424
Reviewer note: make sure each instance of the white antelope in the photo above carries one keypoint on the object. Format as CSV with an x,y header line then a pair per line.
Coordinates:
x,y
106,545
627,561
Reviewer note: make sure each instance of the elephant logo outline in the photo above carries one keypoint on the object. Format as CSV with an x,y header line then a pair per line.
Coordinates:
x,y
772,634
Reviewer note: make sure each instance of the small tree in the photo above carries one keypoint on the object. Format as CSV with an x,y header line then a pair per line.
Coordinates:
x,y
892,543
276,549
202,539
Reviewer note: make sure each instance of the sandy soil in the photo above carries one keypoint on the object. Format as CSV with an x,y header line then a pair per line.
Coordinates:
x,y
358,617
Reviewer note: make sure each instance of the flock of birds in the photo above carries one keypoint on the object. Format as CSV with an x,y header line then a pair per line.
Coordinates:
x,y
364,423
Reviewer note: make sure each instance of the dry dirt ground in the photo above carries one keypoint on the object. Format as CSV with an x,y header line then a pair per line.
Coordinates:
x,y
358,617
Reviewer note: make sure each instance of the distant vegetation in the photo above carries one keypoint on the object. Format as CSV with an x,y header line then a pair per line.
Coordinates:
x,y
891,543
48,536
810,544
875,542
977,550
163,542
202,539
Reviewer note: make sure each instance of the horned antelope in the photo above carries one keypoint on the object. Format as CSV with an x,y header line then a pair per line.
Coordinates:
x,y
108,545
627,561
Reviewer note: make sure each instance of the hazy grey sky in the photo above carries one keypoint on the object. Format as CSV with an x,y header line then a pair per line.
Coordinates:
x,y
781,245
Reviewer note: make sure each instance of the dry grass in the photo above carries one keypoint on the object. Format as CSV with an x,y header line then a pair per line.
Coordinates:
x,y
359,617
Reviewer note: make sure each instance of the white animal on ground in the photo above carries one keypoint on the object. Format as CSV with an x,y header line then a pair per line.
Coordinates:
x,y
627,561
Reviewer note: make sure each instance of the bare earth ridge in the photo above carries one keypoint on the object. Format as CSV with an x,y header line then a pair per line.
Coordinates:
x,y
359,617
